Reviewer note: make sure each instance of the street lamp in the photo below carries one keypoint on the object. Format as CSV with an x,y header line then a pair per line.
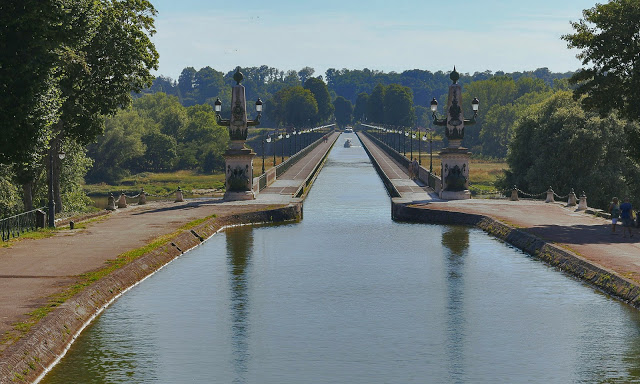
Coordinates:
x,y
419,147
52,203
262,144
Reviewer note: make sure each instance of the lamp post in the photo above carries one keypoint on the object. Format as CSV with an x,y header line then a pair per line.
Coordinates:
x,y
271,138
419,147
262,143
52,203
411,137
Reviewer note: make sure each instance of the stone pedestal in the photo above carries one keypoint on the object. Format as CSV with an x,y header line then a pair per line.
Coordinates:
x,y
239,172
455,173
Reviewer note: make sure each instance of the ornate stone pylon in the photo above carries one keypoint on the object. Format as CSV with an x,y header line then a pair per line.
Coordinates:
x,y
238,158
455,158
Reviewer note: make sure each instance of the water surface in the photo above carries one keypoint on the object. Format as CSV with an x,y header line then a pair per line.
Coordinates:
x,y
349,296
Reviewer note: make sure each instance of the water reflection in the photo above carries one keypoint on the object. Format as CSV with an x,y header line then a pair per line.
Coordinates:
x,y
239,249
455,241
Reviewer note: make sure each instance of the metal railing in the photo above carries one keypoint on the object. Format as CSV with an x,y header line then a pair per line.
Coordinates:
x,y
13,226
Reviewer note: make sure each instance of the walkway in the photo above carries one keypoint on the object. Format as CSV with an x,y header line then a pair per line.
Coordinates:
x,y
288,184
32,270
409,190
585,235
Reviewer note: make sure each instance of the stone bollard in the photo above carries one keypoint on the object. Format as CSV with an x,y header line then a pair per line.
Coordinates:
x,y
550,198
143,197
572,199
179,197
111,203
583,202
514,194
122,201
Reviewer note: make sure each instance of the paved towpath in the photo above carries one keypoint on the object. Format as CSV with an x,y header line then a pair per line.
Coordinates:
x,y
31,270
588,236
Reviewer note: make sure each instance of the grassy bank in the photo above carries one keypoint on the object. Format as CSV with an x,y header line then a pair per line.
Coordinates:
x,y
160,183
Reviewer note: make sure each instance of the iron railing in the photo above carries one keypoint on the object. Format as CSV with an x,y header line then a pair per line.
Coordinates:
x,y
14,226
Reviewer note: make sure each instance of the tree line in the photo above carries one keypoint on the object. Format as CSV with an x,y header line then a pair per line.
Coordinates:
x,y
70,68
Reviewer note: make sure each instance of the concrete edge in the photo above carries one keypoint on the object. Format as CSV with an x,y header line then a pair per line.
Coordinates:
x,y
308,183
31,357
603,279
391,189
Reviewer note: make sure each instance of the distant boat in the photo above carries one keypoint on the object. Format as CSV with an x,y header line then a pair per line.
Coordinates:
x,y
348,130
347,143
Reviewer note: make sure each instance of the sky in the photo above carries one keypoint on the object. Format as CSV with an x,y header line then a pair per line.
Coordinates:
x,y
389,35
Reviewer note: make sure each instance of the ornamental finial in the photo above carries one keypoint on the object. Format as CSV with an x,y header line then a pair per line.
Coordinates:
x,y
238,76
454,76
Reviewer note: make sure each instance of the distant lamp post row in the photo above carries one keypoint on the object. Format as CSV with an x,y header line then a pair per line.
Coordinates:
x,y
52,203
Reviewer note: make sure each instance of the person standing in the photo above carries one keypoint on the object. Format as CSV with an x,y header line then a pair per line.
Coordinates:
x,y
614,210
626,216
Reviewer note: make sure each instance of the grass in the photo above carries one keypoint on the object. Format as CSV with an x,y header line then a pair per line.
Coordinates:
x,y
86,279
41,233
160,183
484,174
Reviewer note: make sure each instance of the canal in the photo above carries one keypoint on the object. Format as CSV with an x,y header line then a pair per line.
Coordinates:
x,y
349,296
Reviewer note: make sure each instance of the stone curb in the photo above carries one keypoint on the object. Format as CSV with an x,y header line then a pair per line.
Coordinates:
x,y
35,354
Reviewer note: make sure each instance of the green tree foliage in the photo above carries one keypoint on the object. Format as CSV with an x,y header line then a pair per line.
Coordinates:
x,y
609,39
120,148
321,93
398,106
490,135
558,144
343,111
300,107
159,134
9,194
31,35
161,152
293,106
375,105
360,109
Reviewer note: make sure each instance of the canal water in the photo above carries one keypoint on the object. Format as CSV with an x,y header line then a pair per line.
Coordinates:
x,y
349,296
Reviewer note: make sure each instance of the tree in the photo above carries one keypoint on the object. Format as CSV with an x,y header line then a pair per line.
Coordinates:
x,y
99,71
398,106
360,110
558,144
609,37
32,33
120,147
300,108
321,93
375,105
344,111
161,151
305,74
186,85
293,106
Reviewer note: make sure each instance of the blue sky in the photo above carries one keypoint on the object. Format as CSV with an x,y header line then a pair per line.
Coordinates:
x,y
506,35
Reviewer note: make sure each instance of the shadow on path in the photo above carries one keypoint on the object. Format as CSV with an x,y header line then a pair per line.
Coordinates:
x,y
583,234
